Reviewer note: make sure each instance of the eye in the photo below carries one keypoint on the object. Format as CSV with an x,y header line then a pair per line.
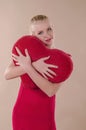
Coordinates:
x,y
49,29
41,32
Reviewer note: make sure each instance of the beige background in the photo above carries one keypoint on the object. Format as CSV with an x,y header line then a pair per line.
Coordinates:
x,y
69,19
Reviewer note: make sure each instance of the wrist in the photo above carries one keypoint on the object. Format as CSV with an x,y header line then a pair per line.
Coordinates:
x,y
28,68
33,64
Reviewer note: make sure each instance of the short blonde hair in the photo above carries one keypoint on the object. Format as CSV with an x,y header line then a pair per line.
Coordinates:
x,y
38,18
35,19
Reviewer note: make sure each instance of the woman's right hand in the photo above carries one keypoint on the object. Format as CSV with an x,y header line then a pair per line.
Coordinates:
x,y
42,67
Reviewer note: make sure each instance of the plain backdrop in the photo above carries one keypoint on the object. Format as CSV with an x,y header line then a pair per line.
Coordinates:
x,y
69,20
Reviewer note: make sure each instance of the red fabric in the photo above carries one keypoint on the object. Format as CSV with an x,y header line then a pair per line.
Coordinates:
x,y
37,50
33,109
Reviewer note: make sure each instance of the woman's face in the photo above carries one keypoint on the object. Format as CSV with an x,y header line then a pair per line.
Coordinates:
x,y
43,30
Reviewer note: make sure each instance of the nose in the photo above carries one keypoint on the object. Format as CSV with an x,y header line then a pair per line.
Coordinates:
x,y
47,35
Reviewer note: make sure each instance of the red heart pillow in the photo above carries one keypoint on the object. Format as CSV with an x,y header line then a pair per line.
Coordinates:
x,y
37,50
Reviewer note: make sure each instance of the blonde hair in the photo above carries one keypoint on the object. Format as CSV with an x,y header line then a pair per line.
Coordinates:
x,y
38,18
35,19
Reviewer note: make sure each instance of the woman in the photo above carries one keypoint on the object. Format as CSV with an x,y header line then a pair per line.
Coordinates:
x,y
35,108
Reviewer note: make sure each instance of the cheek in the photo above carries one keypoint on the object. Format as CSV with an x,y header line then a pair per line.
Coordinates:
x,y
40,37
51,33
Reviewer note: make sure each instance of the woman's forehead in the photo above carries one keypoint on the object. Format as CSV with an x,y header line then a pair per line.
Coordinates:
x,y
39,25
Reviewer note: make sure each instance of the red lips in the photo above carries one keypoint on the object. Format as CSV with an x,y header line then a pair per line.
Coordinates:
x,y
48,40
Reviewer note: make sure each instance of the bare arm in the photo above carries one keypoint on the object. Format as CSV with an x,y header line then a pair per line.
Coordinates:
x,y
46,86
13,71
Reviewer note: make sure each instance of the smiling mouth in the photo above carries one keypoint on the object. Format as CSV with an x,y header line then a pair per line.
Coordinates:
x,y
48,40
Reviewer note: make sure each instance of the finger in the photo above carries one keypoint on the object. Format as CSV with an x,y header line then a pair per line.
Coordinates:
x,y
52,66
18,51
45,58
48,74
51,72
26,52
17,63
44,76
13,55
14,58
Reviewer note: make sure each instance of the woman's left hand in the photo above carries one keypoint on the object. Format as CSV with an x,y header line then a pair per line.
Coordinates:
x,y
22,60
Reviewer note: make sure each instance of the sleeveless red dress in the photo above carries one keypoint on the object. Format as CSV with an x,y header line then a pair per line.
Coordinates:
x,y
33,110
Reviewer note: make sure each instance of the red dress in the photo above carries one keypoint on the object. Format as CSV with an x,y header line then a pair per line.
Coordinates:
x,y
33,110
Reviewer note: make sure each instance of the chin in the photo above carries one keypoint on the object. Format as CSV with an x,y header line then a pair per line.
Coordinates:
x,y
48,45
